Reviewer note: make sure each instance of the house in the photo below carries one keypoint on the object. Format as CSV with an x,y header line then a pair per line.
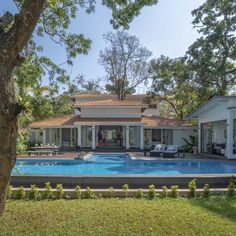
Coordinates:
x,y
103,121
217,126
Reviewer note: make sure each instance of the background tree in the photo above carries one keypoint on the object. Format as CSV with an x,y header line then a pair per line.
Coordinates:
x,y
44,17
173,83
125,63
81,85
213,55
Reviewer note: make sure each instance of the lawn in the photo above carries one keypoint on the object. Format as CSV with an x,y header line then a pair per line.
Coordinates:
x,y
216,216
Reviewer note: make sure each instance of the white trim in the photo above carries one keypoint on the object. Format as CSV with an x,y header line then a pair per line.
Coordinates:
x,y
93,137
141,137
169,127
230,136
108,123
127,137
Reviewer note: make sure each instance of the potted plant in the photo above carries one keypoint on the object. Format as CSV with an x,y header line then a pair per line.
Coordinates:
x,y
191,144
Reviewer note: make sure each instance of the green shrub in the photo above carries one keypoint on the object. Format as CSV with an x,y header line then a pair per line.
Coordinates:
x,y
111,192
174,191
89,194
231,189
206,191
164,193
125,188
139,194
192,185
34,192
151,192
20,193
47,194
9,192
78,194
59,191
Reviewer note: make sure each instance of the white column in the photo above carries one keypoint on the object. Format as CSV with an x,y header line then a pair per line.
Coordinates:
x,y
123,130
93,137
60,136
44,136
141,138
79,141
199,137
127,137
230,129
71,143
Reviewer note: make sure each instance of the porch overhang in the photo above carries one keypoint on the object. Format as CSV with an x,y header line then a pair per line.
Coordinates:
x,y
213,102
109,121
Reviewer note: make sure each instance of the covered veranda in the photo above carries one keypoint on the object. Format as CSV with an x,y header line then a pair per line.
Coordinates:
x,y
217,126
91,134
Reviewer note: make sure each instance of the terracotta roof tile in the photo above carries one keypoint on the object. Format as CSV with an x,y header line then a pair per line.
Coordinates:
x,y
107,95
152,121
162,122
111,102
57,121
109,120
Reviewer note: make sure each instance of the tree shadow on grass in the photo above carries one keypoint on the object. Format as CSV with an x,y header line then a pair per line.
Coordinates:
x,y
225,207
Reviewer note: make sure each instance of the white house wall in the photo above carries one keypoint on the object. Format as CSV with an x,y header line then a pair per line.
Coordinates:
x,y
114,112
214,114
179,134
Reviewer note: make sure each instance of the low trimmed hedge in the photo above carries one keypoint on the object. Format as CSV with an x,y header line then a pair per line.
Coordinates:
x,y
49,193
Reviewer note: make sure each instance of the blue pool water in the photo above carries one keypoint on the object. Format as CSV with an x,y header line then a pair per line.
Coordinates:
x,y
123,164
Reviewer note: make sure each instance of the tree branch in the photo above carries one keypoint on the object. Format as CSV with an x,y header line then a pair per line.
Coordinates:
x,y
14,40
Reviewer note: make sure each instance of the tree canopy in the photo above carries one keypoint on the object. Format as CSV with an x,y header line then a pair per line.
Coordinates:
x,y
213,55
17,44
125,62
173,83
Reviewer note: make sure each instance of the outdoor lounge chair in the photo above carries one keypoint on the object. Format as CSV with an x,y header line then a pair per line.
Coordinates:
x,y
171,151
158,150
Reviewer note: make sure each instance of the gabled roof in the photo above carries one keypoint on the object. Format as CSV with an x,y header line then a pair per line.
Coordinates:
x,y
57,121
214,101
108,96
111,102
151,121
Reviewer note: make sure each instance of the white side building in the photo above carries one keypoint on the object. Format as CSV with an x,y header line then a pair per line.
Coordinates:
x,y
217,126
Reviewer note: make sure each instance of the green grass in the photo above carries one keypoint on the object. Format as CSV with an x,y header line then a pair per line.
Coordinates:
x,y
216,216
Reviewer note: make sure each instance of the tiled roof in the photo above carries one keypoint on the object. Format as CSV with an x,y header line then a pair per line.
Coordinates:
x,y
111,102
164,122
107,95
152,121
107,120
71,119
57,121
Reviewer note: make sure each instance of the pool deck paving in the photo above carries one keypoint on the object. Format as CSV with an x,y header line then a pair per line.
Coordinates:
x,y
133,155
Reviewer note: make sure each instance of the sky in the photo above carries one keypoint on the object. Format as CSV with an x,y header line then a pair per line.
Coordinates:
x,y
164,29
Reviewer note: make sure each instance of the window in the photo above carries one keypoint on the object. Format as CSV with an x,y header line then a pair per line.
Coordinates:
x,y
156,135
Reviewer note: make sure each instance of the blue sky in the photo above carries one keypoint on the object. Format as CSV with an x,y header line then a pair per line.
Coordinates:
x,y
164,29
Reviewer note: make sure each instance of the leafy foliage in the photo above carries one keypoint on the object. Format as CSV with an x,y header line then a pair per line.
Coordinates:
x,y
192,185
206,191
190,143
213,55
172,82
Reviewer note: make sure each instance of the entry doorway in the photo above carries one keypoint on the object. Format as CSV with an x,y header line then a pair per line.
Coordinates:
x,y
110,136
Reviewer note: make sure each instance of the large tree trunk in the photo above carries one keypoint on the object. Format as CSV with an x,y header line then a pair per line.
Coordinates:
x,y
12,43
9,111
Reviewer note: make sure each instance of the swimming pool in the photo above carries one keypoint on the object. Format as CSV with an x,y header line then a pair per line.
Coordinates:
x,y
117,164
